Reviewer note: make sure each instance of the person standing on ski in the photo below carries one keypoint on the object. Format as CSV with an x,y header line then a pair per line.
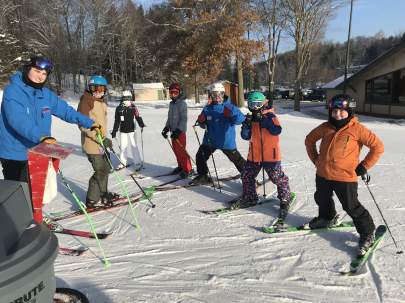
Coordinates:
x,y
92,104
26,117
262,129
338,167
218,118
177,124
124,121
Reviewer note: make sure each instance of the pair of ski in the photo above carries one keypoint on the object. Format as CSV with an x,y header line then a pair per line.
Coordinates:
x,y
123,201
119,202
59,229
357,264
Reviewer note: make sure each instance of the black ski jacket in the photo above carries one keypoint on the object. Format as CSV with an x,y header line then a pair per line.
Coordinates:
x,y
124,119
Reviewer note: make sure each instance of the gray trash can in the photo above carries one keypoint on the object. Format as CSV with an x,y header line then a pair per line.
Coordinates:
x,y
27,250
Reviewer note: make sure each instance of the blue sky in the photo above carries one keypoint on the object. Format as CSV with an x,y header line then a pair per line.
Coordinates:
x,y
369,17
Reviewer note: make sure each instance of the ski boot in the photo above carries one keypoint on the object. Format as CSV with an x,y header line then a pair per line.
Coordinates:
x,y
93,204
319,222
108,198
176,171
365,242
201,180
243,203
185,175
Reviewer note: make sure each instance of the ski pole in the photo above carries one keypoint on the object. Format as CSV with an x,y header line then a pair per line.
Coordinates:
x,y
88,217
119,146
143,153
213,161
153,205
120,181
261,143
184,149
115,154
199,145
366,178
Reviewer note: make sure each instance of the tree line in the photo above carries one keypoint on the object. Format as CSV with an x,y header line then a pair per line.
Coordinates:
x,y
192,42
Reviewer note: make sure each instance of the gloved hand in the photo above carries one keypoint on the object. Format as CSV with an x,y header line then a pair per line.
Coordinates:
x,y
113,134
97,127
175,135
107,142
361,170
48,140
248,120
227,112
257,115
140,122
201,119
164,132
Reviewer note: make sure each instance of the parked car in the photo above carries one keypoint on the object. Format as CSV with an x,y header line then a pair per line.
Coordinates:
x,y
316,94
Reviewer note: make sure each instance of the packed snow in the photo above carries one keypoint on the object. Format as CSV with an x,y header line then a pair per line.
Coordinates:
x,y
180,254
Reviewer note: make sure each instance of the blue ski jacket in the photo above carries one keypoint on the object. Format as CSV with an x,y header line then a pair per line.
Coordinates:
x,y
220,129
26,117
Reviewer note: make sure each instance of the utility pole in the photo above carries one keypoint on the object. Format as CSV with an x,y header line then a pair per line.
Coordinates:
x,y
348,48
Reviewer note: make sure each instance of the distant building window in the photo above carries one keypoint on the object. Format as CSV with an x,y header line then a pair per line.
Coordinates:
x,y
379,90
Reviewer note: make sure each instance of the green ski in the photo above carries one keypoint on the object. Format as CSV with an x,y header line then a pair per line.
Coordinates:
x,y
274,230
358,263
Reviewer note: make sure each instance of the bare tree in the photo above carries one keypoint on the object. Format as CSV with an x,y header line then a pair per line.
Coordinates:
x,y
272,22
305,21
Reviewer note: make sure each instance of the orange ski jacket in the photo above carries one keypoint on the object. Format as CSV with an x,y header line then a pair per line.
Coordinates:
x,y
339,150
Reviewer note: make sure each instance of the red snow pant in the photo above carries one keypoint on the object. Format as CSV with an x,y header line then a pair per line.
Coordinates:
x,y
183,160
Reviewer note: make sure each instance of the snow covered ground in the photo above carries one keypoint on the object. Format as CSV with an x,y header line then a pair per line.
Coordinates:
x,y
182,255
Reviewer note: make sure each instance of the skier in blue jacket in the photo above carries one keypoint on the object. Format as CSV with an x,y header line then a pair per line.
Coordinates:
x,y
26,116
218,118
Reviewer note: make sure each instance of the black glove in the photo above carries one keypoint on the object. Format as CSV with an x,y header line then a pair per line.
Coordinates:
x,y
140,122
175,135
107,142
113,134
257,115
248,120
164,132
361,170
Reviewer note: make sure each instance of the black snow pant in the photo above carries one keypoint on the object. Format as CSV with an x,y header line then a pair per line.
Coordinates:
x,y
15,170
98,182
347,195
205,151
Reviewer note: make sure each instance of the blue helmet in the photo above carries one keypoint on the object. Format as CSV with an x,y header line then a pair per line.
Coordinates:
x,y
98,80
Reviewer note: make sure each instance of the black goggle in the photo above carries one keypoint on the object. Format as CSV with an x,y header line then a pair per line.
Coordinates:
x,y
341,104
43,64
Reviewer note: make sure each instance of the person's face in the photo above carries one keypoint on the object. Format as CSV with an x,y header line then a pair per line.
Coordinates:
x,y
37,75
174,93
339,114
217,97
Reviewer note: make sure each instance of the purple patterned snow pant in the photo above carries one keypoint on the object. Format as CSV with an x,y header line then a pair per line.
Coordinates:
x,y
276,175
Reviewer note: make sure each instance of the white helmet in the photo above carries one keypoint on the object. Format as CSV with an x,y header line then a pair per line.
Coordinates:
x,y
217,87
126,95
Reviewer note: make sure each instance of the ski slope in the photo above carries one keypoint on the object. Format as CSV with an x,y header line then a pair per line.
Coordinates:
x,y
180,254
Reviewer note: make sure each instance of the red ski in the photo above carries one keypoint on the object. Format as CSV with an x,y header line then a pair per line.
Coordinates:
x,y
72,251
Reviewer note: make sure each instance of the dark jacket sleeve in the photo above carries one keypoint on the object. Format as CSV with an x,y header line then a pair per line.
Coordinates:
x,y
272,124
117,120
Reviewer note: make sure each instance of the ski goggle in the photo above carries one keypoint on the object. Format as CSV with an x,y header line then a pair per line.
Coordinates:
x,y
44,64
217,95
255,105
174,93
342,104
97,88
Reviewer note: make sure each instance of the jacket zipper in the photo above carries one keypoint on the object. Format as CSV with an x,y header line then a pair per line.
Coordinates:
x,y
347,140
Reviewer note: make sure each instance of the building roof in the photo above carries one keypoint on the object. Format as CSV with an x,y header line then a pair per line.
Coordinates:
x,y
334,83
158,85
378,60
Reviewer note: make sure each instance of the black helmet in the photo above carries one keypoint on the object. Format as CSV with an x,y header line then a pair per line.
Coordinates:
x,y
342,101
